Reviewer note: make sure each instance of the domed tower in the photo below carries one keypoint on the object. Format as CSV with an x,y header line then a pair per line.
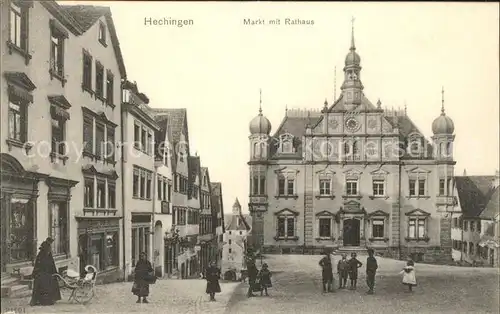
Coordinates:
x,y
443,128
352,88
260,127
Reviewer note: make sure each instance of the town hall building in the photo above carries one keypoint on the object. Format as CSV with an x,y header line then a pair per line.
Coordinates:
x,y
352,175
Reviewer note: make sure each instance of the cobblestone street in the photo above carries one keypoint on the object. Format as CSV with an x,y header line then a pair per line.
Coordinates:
x,y
441,289
297,289
167,296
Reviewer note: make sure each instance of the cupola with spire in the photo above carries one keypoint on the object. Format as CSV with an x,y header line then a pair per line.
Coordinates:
x,y
352,57
260,124
352,88
443,124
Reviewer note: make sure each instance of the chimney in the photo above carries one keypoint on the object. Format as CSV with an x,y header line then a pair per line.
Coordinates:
x,y
465,172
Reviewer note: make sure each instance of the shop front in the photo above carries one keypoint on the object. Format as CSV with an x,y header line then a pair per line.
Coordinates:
x,y
99,245
141,237
18,202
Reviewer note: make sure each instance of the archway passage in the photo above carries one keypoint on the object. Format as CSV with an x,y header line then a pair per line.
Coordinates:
x,y
351,232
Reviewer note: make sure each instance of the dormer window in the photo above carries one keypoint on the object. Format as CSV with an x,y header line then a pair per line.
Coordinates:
x,y
286,144
102,34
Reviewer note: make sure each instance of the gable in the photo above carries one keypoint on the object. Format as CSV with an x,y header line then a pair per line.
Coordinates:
x,y
286,212
87,17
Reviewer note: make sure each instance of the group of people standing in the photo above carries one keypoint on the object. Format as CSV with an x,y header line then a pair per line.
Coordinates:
x,y
348,269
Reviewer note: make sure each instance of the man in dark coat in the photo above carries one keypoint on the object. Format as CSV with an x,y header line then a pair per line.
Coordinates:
x,y
143,274
212,275
354,264
371,270
45,286
252,276
327,272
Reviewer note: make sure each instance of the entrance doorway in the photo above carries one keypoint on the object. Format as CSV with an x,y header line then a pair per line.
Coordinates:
x,y
351,232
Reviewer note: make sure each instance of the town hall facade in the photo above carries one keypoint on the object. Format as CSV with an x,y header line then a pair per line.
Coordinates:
x,y
352,175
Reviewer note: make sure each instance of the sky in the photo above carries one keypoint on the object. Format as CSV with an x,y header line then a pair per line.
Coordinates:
x,y
408,51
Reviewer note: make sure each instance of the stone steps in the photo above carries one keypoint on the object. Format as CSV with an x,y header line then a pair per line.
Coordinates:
x,y
13,286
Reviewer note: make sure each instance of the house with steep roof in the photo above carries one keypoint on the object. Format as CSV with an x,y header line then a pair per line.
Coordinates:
x,y
218,219
207,237
181,241
237,231
69,58
351,175
475,234
139,129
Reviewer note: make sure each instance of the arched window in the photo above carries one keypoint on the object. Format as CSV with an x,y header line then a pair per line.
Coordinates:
x,y
256,150
255,186
449,149
286,146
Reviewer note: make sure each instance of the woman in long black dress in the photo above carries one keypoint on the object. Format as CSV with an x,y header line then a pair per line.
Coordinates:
x,y
212,274
143,271
45,286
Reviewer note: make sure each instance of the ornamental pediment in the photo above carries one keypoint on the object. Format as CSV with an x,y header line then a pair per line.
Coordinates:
x,y
418,212
324,213
378,213
352,173
325,171
286,170
352,204
418,170
379,172
286,212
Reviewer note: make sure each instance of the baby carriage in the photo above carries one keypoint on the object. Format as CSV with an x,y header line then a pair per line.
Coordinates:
x,y
82,289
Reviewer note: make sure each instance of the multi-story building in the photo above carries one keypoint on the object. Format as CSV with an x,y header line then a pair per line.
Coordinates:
x,y
192,251
235,238
218,217
353,175
163,206
475,237
206,238
139,129
60,64
181,240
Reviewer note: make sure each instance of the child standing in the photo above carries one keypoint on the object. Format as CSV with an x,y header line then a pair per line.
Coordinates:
x,y
409,278
265,279
371,270
354,264
343,271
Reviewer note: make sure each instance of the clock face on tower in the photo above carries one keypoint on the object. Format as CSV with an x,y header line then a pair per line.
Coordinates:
x,y
352,125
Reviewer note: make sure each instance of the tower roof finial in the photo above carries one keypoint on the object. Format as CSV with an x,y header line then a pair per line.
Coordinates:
x,y
442,100
260,101
353,47
286,110
335,85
